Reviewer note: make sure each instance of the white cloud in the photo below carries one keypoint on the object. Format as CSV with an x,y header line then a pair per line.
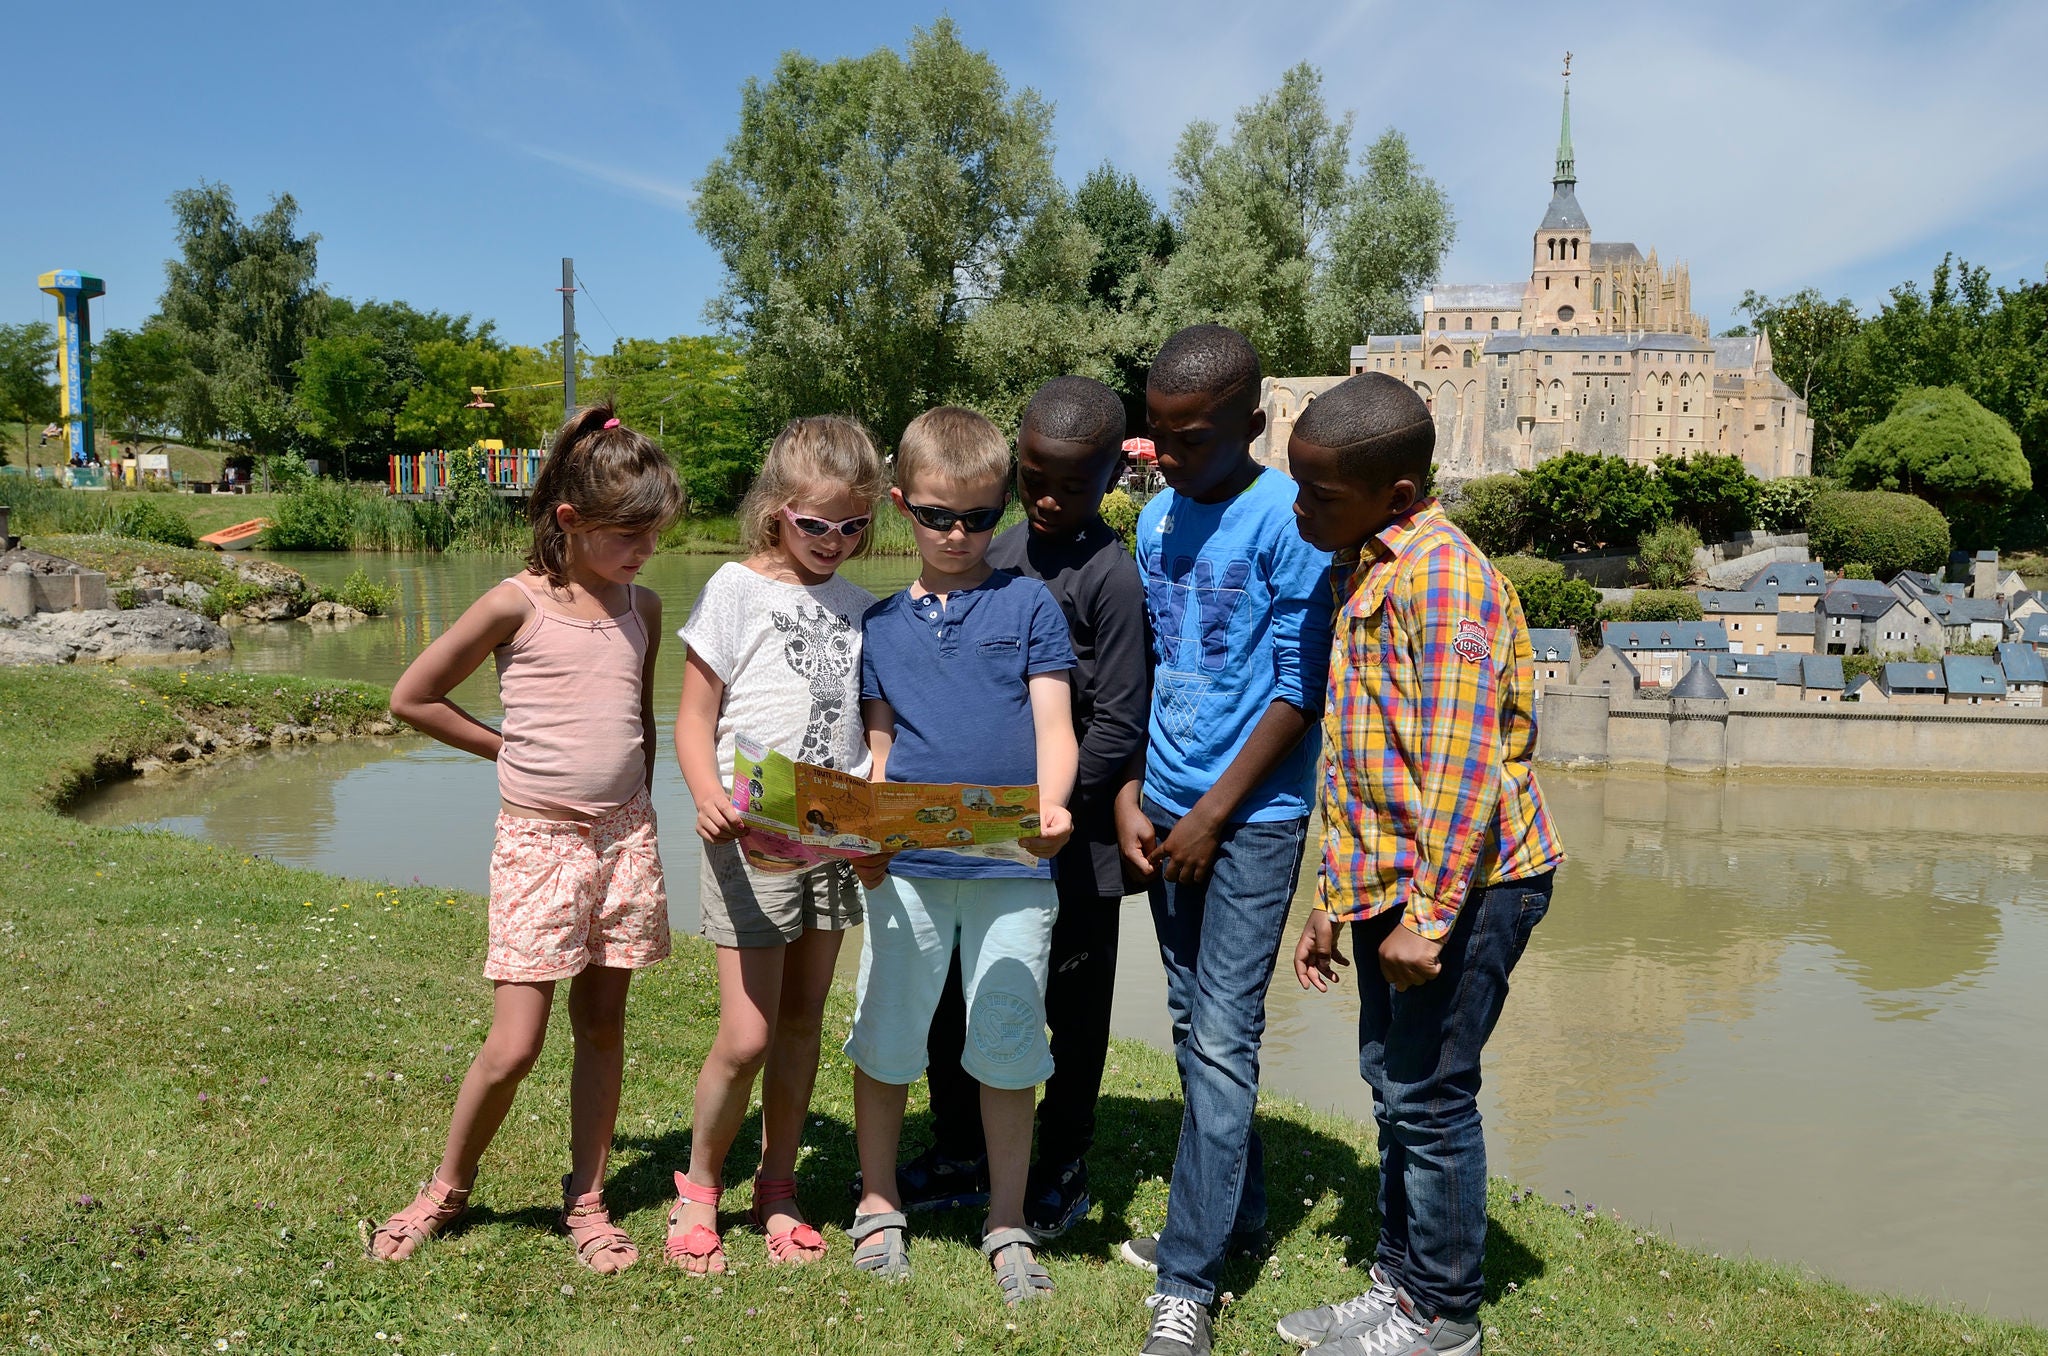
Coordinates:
x,y
661,192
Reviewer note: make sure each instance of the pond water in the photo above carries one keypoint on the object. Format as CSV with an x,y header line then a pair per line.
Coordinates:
x,y
1802,1019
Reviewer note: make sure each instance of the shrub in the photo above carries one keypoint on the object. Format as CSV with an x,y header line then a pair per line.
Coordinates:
x,y
1120,511
365,594
1553,600
1940,444
1664,556
1716,494
1885,531
1856,569
231,595
1782,504
1520,569
1578,500
1494,512
148,520
1646,606
314,515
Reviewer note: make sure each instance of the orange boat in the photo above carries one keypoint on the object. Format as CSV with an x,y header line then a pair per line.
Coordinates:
x,y
240,537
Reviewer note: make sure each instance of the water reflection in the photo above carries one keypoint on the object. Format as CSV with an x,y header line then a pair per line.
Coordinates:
x,y
1796,1018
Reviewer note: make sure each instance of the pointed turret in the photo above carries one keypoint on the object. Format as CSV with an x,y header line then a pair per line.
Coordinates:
x,y
1565,213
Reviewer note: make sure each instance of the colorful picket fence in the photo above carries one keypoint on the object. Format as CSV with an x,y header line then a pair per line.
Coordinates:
x,y
510,471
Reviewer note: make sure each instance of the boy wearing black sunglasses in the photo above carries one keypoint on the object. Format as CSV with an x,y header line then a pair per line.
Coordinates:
x,y
965,677
1069,449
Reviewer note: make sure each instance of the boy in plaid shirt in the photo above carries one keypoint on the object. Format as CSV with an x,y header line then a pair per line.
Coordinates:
x,y
1436,847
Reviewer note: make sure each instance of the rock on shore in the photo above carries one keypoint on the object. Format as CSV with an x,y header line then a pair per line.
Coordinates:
x,y
111,636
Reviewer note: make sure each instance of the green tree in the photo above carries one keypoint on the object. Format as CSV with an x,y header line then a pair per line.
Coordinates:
x,y
1664,556
863,210
1716,494
240,303
1494,512
1782,504
134,376
1555,601
690,394
1813,352
1388,242
28,357
1133,237
1940,444
1579,501
1884,530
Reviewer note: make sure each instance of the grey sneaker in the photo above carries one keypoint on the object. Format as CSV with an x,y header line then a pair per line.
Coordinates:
x,y
1313,1327
1180,1327
1404,1332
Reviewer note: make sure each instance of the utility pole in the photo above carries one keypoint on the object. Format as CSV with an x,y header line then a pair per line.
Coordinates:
x,y
568,291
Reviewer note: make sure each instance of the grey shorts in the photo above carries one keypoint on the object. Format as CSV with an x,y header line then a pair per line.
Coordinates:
x,y
740,906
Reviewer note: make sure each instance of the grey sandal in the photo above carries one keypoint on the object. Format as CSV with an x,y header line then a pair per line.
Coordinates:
x,y
883,1249
1017,1271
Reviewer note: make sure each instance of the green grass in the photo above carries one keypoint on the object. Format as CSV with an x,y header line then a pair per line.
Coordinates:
x,y
213,1067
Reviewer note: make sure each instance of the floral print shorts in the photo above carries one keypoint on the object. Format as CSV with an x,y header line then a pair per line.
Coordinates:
x,y
567,895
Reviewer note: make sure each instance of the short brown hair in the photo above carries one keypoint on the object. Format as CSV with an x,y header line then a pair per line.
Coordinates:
x,y
611,476
953,442
822,450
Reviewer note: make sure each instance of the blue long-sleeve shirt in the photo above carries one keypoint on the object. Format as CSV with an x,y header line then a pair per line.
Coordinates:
x,y
1240,608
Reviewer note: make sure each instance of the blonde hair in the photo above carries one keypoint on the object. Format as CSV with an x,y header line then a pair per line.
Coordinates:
x,y
955,443
611,476
821,450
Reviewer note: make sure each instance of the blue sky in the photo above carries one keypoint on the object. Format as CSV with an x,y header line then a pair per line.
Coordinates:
x,y
450,154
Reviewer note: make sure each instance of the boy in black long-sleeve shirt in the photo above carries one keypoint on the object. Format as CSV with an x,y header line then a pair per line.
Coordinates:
x,y
1069,449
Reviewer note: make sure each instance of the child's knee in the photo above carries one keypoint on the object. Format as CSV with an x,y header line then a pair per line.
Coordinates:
x,y
509,1058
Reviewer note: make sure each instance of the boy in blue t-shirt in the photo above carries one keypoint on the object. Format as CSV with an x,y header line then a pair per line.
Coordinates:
x,y
1240,609
964,678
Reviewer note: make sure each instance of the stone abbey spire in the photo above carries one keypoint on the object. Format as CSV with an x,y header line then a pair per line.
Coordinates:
x,y
1565,213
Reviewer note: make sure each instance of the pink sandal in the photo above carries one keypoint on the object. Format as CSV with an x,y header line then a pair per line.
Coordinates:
x,y
793,1243
435,1208
697,1241
590,1226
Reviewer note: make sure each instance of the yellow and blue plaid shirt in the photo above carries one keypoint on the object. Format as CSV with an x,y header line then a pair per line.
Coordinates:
x,y
1430,731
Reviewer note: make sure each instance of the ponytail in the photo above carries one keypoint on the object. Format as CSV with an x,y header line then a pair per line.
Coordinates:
x,y
611,476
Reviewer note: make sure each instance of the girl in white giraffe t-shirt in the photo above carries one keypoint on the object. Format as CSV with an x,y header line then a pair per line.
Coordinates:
x,y
775,655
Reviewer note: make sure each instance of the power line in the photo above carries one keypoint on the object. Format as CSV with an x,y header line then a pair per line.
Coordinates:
x,y
616,336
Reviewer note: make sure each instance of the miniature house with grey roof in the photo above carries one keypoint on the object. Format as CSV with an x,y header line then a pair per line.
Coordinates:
x,y
1973,680
1658,649
1820,677
1746,677
1975,620
1699,683
1865,690
1798,584
1857,616
1795,631
1610,668
2026,673
1556,653
2032,631
1751,617
1907,682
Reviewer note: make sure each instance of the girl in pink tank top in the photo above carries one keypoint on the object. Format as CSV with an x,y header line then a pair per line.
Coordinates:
x,y
576,883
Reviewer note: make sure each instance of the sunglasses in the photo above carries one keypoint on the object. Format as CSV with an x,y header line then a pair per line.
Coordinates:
x,y
943,520
818,527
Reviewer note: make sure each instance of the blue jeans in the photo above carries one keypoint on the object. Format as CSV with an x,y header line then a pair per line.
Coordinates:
x,y
1419,1050
1217,940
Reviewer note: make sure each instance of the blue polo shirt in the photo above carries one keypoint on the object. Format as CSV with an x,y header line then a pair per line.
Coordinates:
x,y
958,679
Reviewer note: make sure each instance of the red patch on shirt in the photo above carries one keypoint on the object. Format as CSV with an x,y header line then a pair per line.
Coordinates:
x,y
1472,645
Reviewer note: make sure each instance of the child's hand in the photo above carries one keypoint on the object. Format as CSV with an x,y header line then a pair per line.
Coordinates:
x,y
872,869
1190,848
1407,958
1135,836
1321,946
718,821
1056,826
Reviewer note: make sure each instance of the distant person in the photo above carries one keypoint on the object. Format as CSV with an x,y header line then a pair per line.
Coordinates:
x,y
1069,446
774,645
1437,849
576,881
1240,611
965,677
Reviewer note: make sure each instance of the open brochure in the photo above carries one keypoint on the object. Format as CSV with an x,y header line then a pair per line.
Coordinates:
x,y
799,814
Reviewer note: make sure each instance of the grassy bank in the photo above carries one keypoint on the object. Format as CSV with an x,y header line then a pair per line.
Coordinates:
x,y
214,1067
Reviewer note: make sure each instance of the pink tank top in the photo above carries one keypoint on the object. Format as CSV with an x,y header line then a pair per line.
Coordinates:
x,y
572,730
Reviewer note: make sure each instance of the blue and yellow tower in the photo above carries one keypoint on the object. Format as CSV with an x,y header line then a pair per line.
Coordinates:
x,y
74,353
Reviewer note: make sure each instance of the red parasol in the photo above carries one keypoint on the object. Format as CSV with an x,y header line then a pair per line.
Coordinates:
x,y
1140,449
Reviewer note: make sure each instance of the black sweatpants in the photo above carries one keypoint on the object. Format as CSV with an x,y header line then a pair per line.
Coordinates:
x,y
1081,981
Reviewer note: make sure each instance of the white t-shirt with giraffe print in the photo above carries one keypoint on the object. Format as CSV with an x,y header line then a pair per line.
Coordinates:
x,y
789,655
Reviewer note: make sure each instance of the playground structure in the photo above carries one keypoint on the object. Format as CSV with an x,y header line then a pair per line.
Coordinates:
x,y
75,291
510,472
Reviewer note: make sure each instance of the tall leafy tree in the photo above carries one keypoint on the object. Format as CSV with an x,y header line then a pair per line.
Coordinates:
x,y
28,358
1282,240
1812,351
1133,237
241,302
863,210
134,375
1940,444
690,394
